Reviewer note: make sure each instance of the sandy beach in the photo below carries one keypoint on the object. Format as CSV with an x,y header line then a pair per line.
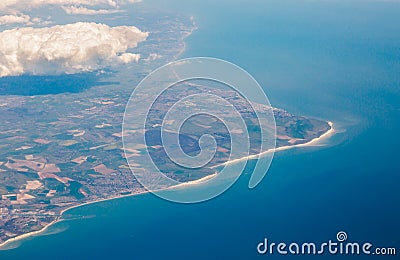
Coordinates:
x,y
256,156
27,235
315,141
44,229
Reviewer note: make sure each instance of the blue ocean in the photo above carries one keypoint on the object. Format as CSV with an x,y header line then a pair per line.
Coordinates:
x,y
332,60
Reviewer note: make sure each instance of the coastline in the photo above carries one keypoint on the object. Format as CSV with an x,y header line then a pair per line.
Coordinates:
x,y
314,141
193,29
59,218
325,135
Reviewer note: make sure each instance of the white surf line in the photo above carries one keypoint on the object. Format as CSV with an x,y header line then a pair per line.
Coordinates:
x,y
256,156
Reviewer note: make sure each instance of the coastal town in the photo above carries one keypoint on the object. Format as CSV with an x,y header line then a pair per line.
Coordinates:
x,y
62,149
74,153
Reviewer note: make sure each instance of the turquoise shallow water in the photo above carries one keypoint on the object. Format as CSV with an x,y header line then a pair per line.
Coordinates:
x,y
334,60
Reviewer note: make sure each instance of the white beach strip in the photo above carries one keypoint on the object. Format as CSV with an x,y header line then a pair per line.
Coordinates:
x,y
256,156
187,184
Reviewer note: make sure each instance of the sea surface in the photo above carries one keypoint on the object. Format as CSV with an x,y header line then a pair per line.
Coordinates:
x,y
334,60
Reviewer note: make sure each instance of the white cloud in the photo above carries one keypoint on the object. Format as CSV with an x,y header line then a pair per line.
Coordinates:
x,y
24,19
86,11
129,1
18,8
71,48
153,57
14,19
129,57
6,5
24,5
